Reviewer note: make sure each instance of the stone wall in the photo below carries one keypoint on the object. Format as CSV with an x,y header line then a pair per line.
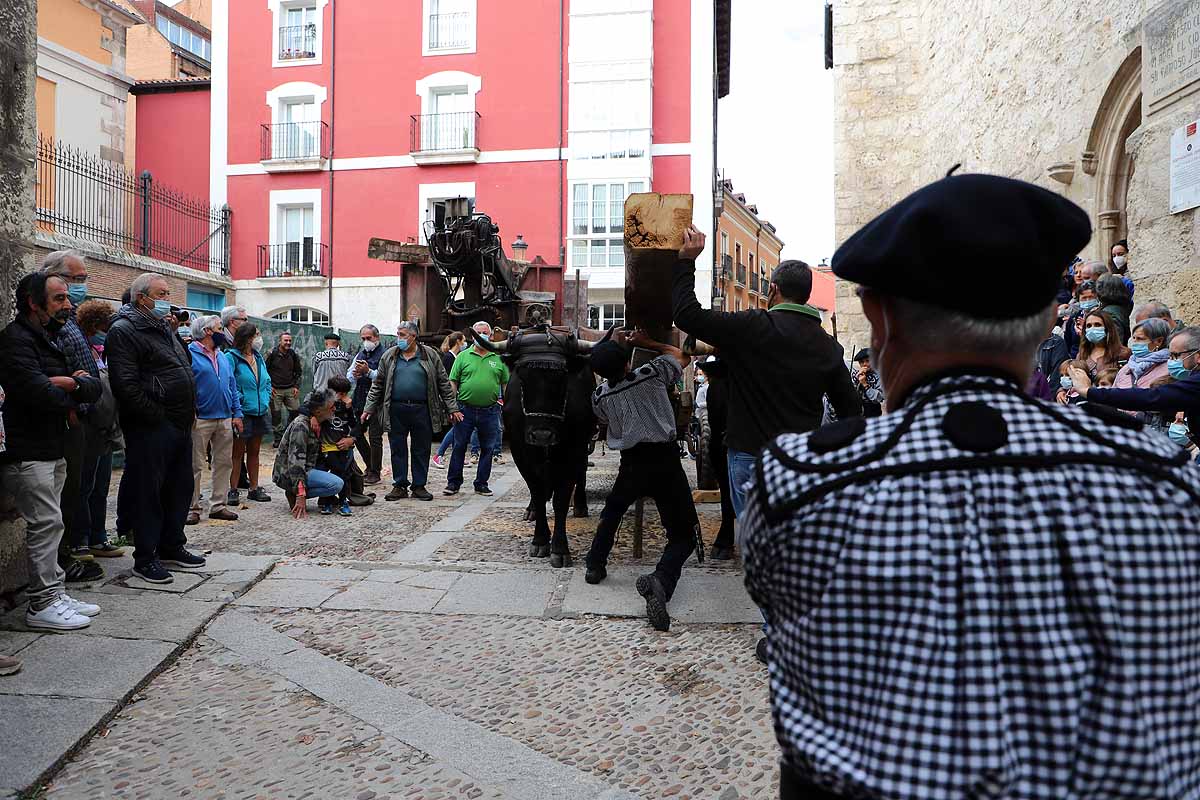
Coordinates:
x,y
1012,89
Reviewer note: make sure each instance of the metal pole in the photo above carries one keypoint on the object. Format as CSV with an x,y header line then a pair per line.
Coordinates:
x,y
146,189
578,273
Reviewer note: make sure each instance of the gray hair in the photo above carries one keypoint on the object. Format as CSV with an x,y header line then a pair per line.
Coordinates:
x,y
229,312
142,283
1191,333
484,324
318,399
56,262
201,324
946,331
1154,328
1095,269
374,331
1155,309
404,325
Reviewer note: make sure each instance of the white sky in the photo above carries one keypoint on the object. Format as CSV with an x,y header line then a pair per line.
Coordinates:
x,y
776,125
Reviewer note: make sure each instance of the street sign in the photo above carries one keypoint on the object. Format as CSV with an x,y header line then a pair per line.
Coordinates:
x,y
391,250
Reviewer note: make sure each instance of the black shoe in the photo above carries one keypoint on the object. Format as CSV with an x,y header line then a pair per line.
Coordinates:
x,y
258,495
371,478
421,493
595,574
83,571
760,650
182,559
719,553
153,572
450,491
483,490
651,588
397,493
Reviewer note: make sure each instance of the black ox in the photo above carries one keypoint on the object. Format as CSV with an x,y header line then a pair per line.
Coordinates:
x,y
549,418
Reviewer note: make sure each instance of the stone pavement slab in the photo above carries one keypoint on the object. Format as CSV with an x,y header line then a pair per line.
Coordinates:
x,y
151,616
700,597
182,583
41,730
228,562
93,667
291,593
521,593
377,596
301,571
12,642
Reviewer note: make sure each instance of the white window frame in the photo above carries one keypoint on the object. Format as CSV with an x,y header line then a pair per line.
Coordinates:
x,y
436,82
297,91
286,312
614,239
428,193
472,37
604,319
281,199
278,9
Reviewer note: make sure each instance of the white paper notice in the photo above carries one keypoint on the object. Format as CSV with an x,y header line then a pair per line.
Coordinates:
x,y
1185,168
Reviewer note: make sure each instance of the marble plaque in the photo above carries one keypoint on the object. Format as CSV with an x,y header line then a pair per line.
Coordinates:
x,y
1171,57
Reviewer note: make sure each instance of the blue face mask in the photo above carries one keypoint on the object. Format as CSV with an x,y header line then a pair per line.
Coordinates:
x,y
1139,349
220,339
98,338
161,308
1177,370
76,293
1088,305
1065,382
1179,434
1095,335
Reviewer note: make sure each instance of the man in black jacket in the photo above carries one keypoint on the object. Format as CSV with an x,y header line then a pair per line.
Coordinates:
x,y
42,392
780,362
285,369
151,376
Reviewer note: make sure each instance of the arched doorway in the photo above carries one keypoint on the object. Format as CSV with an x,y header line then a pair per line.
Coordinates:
x,y
1119,115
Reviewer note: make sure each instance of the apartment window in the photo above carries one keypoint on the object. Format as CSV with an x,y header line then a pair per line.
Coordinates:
x,y
204,299
724,243
598,222
439,209
298,31
610,119
189,40
605,316
302,315
449,26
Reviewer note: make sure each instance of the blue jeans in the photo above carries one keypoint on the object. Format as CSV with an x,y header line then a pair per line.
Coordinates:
x,y
319,483
487,422
741,472
410,419
448,442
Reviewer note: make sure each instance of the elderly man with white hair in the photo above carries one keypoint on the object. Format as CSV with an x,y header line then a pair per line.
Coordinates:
x,y
218,416
478,378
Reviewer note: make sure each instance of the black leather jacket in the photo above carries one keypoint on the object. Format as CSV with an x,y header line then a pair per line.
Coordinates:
x,y
150,371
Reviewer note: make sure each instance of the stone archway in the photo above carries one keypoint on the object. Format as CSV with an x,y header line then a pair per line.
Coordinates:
x,y
1106,157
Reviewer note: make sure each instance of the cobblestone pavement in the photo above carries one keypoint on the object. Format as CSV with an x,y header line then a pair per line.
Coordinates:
x,y
415,651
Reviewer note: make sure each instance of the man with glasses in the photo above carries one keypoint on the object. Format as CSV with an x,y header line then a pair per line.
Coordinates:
x,y
361,374
1183,395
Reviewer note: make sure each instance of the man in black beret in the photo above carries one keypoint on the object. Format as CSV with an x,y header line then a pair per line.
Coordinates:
x,y
943,619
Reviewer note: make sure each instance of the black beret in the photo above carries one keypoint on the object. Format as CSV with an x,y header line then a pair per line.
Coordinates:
x,y
609,358
332,335
924,247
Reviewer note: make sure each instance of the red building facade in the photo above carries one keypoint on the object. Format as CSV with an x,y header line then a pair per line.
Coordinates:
x,y
333,122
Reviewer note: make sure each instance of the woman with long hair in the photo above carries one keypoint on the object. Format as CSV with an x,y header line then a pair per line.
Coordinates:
x,y
254,384
1101,345
1115,301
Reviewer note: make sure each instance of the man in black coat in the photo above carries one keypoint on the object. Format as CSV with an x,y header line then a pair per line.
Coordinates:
x,y
152,380
42,394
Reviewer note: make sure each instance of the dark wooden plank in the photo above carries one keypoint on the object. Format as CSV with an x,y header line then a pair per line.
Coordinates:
x,y
391,250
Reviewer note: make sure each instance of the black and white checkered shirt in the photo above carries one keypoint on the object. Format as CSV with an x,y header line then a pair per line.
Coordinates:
x,y
961,607
638,409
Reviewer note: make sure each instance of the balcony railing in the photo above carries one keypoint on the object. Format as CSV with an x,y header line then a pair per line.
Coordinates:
x,y
442,133
295,141
754,284
298,41
764,285
726,266
293,260
449,31
741,274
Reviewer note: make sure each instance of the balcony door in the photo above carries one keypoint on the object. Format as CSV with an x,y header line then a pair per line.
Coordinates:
x,y
298,35
452,123
298,256
299,135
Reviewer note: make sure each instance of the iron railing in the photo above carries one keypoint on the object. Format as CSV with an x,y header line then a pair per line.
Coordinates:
x,y
298,41
448,31
430,133
741,274
295,140
87,197
764,285
726,266
293,260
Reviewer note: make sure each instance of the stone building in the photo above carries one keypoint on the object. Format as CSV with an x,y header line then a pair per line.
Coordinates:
x,y
1080,96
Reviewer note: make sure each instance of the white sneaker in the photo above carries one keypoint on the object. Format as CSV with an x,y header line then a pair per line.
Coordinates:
x,y
80,607
58,616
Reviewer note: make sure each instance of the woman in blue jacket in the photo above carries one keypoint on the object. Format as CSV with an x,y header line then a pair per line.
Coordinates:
x,y
254,385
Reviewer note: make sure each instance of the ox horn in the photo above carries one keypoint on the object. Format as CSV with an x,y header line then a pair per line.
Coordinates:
x,y
585,346
693,347
495,347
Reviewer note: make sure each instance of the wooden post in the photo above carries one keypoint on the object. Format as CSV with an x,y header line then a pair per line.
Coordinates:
x,y
654,228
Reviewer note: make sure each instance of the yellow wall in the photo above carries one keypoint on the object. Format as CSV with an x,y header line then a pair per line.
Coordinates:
x,y
45,98
199,10
69,24
148,54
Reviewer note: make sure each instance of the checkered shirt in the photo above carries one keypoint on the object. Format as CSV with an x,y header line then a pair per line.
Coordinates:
x,y
1022,623
79,354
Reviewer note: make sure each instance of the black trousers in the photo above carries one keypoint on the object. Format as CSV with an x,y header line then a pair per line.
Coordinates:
x,y
717,457
370,444
158,471
793,787
75,452
651,470
341,464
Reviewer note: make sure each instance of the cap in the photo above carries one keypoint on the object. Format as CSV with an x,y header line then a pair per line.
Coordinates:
x,y
862,355
924,247
608,359
332,335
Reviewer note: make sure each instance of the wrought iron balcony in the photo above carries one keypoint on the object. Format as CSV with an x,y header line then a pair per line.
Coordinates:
x,y
445,138
292,146
298,41
293,260
741,274
449,31
726,267
764,286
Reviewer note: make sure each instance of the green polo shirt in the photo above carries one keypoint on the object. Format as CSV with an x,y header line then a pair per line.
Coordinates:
x,y
478,377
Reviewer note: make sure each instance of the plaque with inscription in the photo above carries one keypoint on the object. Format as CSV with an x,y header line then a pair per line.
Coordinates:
x,y
1171,59
1185,168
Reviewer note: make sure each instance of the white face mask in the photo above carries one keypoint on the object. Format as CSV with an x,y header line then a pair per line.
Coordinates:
x,y
1119,261
258,342
369,346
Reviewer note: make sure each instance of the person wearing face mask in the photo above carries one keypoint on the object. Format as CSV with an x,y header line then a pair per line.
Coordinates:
x,y
152,379
361,374
1183,395
254,385
1101,347
42,391
924,572
219,417
1148,355
296,468
1072,326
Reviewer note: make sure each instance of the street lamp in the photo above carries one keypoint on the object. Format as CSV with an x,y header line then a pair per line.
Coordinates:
x,y
519,248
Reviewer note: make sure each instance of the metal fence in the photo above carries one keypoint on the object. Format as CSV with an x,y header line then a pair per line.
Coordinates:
x,y
293,260
433,132
298,41
86,197
295,140
449,30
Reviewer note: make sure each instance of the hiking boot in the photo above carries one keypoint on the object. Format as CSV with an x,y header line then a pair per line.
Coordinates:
x,y
193,518
222,513
107,550
58,616
9,665
484,490
233,498
421,493
182,559
651,588
595,574
83,571
397,493
80,607
371,478
258,495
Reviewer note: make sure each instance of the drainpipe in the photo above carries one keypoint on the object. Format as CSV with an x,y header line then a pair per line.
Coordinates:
x,y
332,134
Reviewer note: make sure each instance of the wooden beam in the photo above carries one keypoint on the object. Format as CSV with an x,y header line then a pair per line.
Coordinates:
x,y
391,250
654,228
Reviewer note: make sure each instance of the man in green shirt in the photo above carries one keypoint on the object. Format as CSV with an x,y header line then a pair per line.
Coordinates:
x,y
478,378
